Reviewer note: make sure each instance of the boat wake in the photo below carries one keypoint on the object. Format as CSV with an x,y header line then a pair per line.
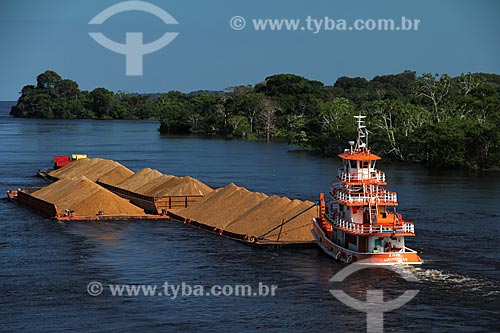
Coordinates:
x,y
483,287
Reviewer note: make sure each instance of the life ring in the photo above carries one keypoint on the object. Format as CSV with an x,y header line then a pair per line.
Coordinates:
x,y
337,256
349,259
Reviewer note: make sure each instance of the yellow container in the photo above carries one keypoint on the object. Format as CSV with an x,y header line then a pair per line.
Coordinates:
x,y
78,156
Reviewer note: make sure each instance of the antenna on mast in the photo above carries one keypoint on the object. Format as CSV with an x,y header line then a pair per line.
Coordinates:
x,y
362,141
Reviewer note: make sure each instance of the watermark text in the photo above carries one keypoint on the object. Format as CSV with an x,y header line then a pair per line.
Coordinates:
x,y
324,24
180,290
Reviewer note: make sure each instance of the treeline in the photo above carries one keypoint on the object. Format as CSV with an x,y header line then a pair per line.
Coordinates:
x,y
438,120
54,97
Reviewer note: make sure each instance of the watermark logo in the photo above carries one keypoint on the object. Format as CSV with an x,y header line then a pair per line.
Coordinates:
x,y
134,49
374,305
94,288
237,22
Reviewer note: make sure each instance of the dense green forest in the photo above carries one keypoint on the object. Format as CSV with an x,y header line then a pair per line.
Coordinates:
x,y
438,120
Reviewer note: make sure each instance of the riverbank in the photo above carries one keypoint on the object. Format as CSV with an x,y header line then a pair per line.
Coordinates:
x,y
443,121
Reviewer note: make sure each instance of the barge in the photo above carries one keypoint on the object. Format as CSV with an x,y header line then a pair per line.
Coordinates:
x,y
99,189
50,210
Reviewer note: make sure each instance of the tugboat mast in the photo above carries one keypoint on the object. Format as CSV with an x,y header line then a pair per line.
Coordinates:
x,y
362,133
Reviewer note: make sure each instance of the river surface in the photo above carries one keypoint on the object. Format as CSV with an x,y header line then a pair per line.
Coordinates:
x,y
46,266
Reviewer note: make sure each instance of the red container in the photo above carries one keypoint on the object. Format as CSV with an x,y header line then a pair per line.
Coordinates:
x,y
60,161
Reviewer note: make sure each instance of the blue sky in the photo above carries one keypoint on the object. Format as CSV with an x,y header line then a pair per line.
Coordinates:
x,y
454,37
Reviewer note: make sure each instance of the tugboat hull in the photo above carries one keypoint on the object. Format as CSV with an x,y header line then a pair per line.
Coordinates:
x,y
405,257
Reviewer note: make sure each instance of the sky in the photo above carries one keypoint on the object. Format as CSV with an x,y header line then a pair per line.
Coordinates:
x,y
453,37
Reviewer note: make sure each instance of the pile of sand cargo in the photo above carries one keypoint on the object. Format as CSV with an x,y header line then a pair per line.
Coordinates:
x,y
153,183
95,169
232,208
147,181
241,211
138,179
85,198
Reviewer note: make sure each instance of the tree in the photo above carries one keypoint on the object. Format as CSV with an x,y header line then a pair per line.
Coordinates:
x,y
473,95
335,115
175,113
102,102
239,125
222,112
293,93
250,109
297,129
383,115
25,104
48,80
357,89
43,106
267,116
206,109
435,90
450,144
335,125
67,89
246,103
398,87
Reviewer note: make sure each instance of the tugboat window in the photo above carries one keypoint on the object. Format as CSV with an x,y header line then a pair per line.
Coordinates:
x,y
353,164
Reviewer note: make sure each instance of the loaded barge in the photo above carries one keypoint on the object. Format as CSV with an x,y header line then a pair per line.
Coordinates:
x,y
98,189
50,210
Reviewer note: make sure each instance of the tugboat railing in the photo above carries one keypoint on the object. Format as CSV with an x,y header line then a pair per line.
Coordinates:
x,y
358,228
375,175
359,198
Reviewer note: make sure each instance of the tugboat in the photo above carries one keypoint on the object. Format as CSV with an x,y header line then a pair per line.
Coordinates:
x,y
361,222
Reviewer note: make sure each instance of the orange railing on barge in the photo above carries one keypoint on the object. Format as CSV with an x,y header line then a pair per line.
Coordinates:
x,y
151,204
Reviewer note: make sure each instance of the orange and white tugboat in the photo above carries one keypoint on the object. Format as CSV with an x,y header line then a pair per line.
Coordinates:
x,y
361,222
